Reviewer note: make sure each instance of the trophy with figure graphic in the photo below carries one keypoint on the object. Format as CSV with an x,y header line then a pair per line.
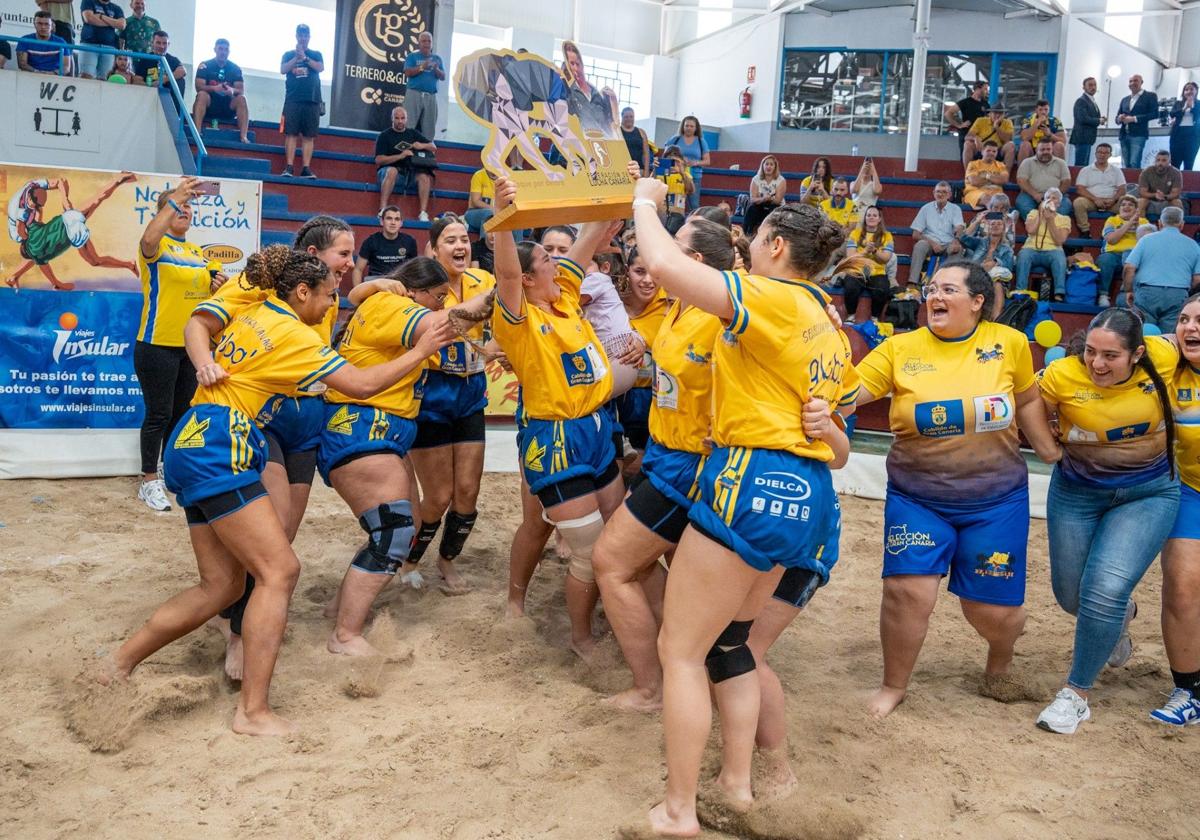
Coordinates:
x,y
523,100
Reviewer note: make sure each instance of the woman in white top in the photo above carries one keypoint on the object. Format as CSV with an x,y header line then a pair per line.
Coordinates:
x,y
866,188
767,189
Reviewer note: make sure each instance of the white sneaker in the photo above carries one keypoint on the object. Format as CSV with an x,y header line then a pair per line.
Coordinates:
x,y
1103,302
1065,714
423,217
154,494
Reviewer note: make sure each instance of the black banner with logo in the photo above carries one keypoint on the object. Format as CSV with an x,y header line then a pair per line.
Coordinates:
x,y
373,38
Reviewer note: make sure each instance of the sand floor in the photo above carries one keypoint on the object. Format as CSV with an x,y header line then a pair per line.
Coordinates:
x,y
480,728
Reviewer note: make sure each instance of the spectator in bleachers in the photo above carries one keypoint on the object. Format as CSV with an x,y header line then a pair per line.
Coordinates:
x,y
1042,125
1133,116
1097,187
394,150
103,22
838,208
5,54
301,102
961,115
386,249
1046,230
148,71
984,177
866,188
62,13
1159,186
423,70
1120,235
870,239
122,70
767,190
1160,270
43,51
995,127
479,201
1044,171
483,252
221,91
636,141
935,230
991,249
1185,129
818,184
690,141
139,28
679,182
1087,119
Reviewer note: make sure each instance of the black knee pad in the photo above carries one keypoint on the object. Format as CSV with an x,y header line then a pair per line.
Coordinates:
x,y
422,540
389,530
454,535
730,657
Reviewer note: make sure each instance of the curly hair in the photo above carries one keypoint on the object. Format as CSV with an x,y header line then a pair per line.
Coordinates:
x,y
810,236
281,270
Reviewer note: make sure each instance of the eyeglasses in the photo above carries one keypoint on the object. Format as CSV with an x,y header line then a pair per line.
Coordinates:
x,y
440,297
931,289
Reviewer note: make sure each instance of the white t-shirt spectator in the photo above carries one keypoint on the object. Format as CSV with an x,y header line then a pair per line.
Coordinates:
x,y
605,311
938,225
1102,184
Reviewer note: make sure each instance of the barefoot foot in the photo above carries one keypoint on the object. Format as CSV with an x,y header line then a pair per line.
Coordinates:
x,y
107,671
514,609
352,646
776,777
233,657
885,700
665,824
735,795
452,583
585,649
636,700
221,625
266,723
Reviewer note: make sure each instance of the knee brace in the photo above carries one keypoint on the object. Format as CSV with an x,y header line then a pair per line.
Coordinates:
x,y
454,535
389,530
730,657
421,541
581,535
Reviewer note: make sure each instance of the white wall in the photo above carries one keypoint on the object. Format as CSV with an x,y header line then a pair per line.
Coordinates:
x,y
1090,52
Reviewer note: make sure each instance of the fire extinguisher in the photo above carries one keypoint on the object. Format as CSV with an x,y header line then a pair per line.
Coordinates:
x,y
746,99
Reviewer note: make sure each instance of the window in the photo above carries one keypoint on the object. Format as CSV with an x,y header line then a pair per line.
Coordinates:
x,y
832,90
462,44
273,24
628,79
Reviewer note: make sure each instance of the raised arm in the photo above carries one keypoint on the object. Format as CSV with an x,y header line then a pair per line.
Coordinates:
x,y
161,223
508,266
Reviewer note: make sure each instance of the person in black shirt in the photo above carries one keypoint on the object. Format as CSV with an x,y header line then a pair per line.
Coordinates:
x,y
636,141
482,255
221,91
386,249
301,101
396,155
962,114
147,71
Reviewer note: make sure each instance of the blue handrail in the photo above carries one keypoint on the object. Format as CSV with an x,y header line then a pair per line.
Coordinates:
x,y
187,127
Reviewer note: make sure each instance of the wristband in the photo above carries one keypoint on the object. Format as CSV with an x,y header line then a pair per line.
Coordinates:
x,y
171,203
645,202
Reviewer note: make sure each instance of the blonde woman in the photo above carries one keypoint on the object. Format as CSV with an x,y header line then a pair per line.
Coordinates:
x,y
767,189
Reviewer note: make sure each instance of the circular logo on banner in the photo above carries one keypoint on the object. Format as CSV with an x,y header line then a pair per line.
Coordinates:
x,y
372,96
223,254
387,29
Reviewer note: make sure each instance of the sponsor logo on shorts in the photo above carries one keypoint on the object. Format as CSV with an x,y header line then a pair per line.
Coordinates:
x,y
984,356
192,434
534,453
783,485
993,413
914,366
996,565
939,419
781,509
900,538
342,422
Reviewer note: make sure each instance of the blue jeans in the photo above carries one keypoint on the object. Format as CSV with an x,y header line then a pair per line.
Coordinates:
x,y
1131,151
1111,264
693,199
1160,305
476,218
1026,205
1102,540
1053,261
96,65
1083,155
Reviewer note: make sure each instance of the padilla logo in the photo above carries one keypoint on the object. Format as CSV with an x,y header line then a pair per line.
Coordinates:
x,y
71,343
224,254
387,29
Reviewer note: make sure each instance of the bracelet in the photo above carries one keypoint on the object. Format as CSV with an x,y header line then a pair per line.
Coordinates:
x,y
645,202
171,203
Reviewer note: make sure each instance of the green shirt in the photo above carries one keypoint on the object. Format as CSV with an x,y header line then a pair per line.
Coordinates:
x,y
139,31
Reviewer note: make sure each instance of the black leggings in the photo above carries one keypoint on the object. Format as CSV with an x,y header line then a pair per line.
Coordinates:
x,y
876,286
168,383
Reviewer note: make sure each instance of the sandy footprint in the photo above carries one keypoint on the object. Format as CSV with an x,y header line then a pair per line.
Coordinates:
x,y
784,818
104,717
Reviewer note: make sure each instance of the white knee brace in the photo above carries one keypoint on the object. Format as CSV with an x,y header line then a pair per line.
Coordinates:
x,y
581,535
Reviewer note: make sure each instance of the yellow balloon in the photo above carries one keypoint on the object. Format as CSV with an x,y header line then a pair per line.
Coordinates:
x,y
1047,333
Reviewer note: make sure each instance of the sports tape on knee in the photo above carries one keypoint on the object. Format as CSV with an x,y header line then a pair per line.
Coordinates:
x,y
729,656
422,540
581,536
389,530
454,535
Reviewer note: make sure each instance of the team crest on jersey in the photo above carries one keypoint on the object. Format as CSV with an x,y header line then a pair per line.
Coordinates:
x,y
899,538
342,422
452,353
728,338
914,366
577,367
1085,395
939,419
993,413
192,435
545,329
1183,395
998,564
983,356
534,453
699,358
1147,387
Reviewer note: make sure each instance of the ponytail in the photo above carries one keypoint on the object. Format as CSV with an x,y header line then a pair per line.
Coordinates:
x,y
279,269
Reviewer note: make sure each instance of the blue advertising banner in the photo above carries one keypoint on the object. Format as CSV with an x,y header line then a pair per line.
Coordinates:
x,y
66,360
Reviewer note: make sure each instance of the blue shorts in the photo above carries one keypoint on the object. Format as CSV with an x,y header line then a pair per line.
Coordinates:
x,y
981,544
1187,521
772,508
449,397
213,450
553,451
633,408
295,422
673,473
352,431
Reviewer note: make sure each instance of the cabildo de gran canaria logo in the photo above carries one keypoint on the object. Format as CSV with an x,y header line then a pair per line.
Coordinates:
x,y
387,29
71,342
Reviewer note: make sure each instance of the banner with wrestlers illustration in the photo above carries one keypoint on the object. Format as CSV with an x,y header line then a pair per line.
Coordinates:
x,y
72,302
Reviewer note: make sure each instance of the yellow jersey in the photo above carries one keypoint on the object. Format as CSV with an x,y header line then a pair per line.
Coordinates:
x,y
237,293
844,216
174,280
648,325
484,185
953,410
381,330
267,351
858,237
777,351
559,361
1115,436
1185,403
1127,240
681,412
985,130
460,358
